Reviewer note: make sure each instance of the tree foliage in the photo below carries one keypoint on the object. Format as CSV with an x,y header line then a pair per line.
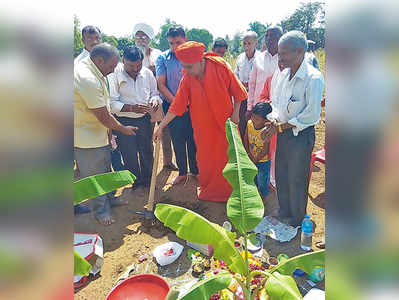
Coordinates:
x,y
200,35
77,37
110,39
161,41
123,43
236,44
310,19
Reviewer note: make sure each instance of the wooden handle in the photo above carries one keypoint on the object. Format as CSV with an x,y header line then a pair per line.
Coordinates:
x,y
150,204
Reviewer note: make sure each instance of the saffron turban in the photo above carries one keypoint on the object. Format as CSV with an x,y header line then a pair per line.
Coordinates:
x,y
190,52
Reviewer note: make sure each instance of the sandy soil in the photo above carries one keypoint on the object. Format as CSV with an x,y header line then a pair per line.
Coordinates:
x,y
127,239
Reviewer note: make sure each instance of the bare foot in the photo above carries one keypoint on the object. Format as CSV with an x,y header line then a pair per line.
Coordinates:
x,y
179,179
105,221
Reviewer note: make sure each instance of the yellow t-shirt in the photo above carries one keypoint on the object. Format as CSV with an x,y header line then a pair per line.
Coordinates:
x,y
90,91
255,141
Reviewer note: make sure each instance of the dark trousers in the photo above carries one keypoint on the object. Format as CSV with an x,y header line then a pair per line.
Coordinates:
x,y
116,159
181,133
93,161
137,150
242,124
293,155
166,144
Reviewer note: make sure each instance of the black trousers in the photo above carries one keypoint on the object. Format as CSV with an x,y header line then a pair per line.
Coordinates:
x,y
137,150
181,133
293,155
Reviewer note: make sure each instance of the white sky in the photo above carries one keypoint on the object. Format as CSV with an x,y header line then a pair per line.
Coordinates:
x,y
219,17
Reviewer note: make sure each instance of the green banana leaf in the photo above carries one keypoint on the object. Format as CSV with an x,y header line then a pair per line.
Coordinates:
x,y
282,287
97,185
206,288
306,262
81,266
194,228
244,207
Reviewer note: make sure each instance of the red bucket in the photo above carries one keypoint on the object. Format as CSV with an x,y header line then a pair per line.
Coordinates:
x,y
140,287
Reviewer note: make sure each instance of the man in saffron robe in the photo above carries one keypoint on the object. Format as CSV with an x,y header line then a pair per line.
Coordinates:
x,y
207,87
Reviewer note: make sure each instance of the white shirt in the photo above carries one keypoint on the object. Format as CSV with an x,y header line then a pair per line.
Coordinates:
x,y
81,56
149,60
274,81
244,66
298,101
263,67
125,90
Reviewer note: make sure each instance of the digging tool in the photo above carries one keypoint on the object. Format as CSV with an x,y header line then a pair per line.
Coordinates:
x,y
148,212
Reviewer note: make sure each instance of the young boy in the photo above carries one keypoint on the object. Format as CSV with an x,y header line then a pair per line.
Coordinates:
x,y
257,146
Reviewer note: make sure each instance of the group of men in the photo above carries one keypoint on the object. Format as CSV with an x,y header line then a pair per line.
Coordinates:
x,y
190,94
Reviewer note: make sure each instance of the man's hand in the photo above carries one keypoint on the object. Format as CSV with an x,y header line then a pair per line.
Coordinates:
x,y
248,115
269,131
154,105
157,134
140,109
128,130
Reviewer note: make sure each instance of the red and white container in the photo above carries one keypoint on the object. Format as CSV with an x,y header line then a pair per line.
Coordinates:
x,y
90,247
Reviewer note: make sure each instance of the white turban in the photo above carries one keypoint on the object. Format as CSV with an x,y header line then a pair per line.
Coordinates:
x,y
147,29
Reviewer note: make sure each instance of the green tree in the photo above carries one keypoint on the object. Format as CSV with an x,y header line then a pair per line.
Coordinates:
x,y
236,45
310,19
110,39
200,35
228,41
260,29
124,42
161,41
77,37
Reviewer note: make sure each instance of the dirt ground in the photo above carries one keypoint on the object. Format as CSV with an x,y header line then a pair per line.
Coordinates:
x,y
128,238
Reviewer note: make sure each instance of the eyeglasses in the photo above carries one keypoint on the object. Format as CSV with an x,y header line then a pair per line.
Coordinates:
x,y
141,37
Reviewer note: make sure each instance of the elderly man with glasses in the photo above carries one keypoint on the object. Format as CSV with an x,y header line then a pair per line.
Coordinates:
x,y
296,104
143,35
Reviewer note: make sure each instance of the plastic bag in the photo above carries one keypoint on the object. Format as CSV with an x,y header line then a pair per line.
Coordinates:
x,y
166,254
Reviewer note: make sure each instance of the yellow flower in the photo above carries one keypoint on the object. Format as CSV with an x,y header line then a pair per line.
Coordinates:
x,y
243,254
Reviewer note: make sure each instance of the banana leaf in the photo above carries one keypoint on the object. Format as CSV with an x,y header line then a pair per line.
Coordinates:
x,y
306,262
245,206
80,266
101,184
195,228
206,288
282,287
